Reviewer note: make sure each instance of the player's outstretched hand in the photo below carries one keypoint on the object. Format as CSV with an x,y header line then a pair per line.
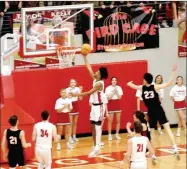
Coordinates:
x,y
73,94
128,125
80,87
129,83
174,68
28,145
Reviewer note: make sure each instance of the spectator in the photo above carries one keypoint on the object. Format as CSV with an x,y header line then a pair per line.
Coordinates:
x,y
2,9
13,6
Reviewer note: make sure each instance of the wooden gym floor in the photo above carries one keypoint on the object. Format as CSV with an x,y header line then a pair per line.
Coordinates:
x,y
112,153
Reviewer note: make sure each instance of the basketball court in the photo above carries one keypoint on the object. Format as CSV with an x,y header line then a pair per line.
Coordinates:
x,y
111,154
43,30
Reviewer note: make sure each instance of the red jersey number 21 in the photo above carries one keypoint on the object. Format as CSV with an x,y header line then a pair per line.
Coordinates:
x,y
44,133
140,148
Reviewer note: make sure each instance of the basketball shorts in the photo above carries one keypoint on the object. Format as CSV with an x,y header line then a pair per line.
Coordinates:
x,y
43,156
16,157
138,165
63,119
75,110
114,106
180,105
97,113
155,114
143,108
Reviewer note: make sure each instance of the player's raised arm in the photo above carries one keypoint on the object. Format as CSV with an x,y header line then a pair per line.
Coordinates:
x,y
133,86
23,141
89,68
97,87
164,85
3,145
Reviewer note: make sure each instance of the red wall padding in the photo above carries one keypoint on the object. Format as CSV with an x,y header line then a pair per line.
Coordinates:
x,y
36,90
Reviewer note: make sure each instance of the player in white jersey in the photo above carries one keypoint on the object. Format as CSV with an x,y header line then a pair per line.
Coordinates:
x,y
43,134
98,105
114,93
63,107
75,111
136,149
178,96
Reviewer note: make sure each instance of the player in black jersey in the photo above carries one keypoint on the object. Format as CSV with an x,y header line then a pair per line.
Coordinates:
x,y
155,110
16,143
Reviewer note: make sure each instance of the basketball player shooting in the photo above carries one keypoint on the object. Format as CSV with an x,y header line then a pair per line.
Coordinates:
x,y
98,104
155,110
16,144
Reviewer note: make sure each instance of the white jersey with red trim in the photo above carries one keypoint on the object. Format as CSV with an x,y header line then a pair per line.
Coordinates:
x,y
98,96
139,145
44,135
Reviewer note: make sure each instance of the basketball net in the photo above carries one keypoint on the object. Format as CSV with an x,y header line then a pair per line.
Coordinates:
x,y
65,56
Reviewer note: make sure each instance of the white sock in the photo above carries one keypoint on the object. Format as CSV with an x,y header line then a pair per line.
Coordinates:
x,y
12,168
48,166
178,130
98,134
74,136
40,166
175,146
159,129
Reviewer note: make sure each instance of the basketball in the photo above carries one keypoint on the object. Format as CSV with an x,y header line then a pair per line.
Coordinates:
x,y
85,49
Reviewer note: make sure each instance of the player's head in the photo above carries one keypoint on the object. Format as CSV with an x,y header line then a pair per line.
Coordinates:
x,y
179,80
148,78
138,127
114,81
101,74
45,115
63,93
139,116
72,83
13,120
158,79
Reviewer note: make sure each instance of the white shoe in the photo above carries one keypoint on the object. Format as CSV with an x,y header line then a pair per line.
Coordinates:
x,y
160,132
178,134
58,147
75,139
176,154
68,146
102,144
110,137
94,152
118,137
153,160
71,140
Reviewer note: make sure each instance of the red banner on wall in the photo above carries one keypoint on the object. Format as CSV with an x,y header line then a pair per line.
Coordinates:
x,y
182,37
